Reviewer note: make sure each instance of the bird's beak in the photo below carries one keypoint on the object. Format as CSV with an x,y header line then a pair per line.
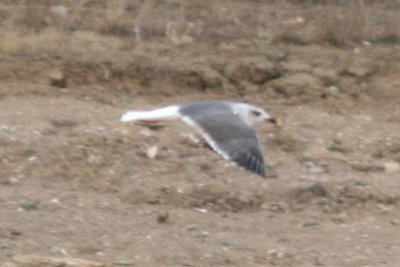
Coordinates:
x,y
276,122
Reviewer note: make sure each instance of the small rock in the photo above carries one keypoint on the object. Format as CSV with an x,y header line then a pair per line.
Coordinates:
x,y
31,205
152,152
192,227
391,167
318,190
318,262
55,200
272,252
310,224
383,207
13,180
100,253
279,207
57,79
275,253
201,210
38,261
295,21
33,158
125,263
59,10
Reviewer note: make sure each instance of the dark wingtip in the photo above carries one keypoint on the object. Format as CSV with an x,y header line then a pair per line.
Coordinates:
x,y
262,173
251,164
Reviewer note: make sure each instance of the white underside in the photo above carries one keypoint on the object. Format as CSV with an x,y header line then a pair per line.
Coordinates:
x,y
170,113
162,114
206,136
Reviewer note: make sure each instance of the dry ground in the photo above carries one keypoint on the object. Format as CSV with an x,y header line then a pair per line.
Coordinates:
x,y
75,182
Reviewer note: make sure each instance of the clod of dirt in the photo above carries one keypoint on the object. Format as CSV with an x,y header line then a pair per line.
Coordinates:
x,y
200,78
163,217
339,146
391,151
300,85
328,76
296,66
46,261
57,79
367,167
359,68
384,88
252,70
286,143
63,123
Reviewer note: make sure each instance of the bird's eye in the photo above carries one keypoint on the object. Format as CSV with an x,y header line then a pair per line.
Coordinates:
x,y
256,113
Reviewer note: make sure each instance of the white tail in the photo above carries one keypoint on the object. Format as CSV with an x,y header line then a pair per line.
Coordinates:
x,y
168,113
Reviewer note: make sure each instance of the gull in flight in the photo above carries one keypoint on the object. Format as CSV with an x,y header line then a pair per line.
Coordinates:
x,y
225,126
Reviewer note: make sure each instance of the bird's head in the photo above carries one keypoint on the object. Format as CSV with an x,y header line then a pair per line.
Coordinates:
x,y
250,114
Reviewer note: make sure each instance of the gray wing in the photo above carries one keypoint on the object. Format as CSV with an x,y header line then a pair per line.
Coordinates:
x,y
226,133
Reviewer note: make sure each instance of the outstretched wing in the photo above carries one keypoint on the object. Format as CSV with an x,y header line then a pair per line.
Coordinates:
x,y
225,133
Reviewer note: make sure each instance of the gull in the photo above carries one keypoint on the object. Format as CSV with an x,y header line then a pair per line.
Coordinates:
x,y
225,126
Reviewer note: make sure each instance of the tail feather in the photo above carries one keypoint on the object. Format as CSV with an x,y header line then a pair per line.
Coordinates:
x,y
162,114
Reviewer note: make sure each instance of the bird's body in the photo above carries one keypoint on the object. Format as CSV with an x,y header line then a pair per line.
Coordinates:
x,y
226,126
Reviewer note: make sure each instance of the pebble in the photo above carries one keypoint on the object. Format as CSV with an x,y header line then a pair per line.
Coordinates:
x,y
391,167
152,152
272,252
201,210
318,189
100,253
383,207
55,200
59,10
57,79
313,168
146,132
275,253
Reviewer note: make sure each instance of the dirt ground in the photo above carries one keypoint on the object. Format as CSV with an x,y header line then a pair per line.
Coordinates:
x,y
76,182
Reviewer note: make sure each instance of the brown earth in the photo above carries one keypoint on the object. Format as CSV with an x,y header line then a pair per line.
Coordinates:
x,y
76,182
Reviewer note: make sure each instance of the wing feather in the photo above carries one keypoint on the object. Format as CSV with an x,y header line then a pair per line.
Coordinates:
x,y
226,134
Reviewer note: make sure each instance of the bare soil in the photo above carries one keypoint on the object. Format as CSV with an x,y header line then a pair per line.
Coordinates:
x,y
76,182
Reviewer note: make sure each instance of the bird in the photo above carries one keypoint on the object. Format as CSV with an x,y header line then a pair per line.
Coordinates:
x,y
225,126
